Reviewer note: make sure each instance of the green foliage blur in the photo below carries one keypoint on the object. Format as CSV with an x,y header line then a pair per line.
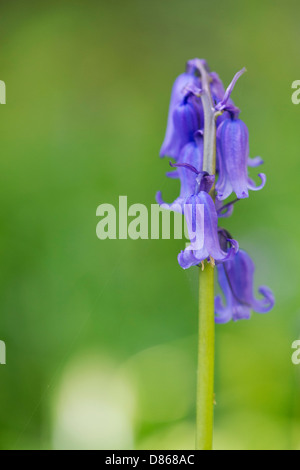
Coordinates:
x,y
101,336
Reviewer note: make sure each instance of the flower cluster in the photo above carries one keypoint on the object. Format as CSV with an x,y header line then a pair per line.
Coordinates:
x,y
184,142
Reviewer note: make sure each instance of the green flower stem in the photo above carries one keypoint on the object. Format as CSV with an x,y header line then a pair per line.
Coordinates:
x,y
206,349
206,356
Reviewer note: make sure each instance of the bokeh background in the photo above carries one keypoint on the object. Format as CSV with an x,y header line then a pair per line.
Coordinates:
x,y
101,335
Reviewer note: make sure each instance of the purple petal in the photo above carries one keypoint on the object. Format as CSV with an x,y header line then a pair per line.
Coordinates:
x,y
233,152
172,174
267,303
223,312
176,206
236,281
254,162
233,310
191,154
240,275
210,225
185,116
224,116
177,95
241,312
187,259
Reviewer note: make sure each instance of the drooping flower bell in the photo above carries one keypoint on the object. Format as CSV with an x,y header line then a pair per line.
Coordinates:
x,y
185,115
233,160
202,223
236,279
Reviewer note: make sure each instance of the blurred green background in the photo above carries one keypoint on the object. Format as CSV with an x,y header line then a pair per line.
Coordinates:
x,y
101,335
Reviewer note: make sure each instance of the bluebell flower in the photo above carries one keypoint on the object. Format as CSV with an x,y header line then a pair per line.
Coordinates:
x,y
236,279
202,223
185,115
233,160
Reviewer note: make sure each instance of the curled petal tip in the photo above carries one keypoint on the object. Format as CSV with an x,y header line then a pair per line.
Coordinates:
x,y
252,185
268,301
186,259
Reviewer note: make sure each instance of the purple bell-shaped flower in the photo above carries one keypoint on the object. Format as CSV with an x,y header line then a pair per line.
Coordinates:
x,y
236,278
233,160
